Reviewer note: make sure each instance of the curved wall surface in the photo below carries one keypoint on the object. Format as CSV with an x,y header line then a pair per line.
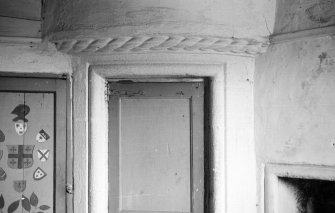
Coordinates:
x,y
248,19
210,22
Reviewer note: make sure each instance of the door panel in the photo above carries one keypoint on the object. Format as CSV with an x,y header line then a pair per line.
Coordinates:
x,y
29,157
157,153
156,147
20,157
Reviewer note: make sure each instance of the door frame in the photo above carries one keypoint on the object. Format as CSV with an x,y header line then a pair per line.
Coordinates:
x,y
98,78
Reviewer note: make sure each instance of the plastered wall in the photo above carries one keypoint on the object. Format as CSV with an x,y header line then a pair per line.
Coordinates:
x,y
246,19
240,152
294,103
294,15
42,58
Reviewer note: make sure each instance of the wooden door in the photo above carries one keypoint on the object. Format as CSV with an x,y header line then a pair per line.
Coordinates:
x,y
32,145
156,146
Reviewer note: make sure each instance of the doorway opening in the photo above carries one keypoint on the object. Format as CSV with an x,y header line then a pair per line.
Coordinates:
x,y
98,129
159,146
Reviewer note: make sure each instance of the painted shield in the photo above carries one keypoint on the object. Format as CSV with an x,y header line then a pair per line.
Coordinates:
x,y
20,156
1,153
43,154
20,185
39,174
3,174
42,136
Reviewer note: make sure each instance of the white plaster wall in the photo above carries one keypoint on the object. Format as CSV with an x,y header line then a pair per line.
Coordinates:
x,y
297,15
33,59
241,162
294,103
101,18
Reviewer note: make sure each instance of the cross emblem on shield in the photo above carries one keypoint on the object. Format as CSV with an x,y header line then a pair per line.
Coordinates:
x,y
20,156
43,154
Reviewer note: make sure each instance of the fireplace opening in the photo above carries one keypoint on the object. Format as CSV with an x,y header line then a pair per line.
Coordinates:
x,y
298,195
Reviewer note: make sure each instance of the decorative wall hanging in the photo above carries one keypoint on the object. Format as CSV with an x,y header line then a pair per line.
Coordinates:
x,y
20,185
39,174
20,156
3,174
2,136
20,120
43,154
42,136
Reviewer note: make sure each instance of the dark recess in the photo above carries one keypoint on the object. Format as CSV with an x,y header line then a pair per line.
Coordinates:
x,y
313,196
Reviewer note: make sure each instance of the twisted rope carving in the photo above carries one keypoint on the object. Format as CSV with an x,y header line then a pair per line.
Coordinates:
x,y
163,43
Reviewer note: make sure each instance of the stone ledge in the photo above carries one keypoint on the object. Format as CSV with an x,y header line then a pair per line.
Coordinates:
x,y
163,43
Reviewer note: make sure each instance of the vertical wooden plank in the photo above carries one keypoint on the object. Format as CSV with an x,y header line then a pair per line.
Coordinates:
x,y
61,148
8,103
69,146
198,148
40,177
113,156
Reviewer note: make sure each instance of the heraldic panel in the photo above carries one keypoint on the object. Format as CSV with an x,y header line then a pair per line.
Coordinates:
x,y
26,152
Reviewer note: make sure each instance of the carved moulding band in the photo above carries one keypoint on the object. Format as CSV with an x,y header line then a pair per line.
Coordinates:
x,y
201,44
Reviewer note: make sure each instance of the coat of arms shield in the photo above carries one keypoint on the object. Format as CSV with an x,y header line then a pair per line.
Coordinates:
x,y
20,156
20,185
43,154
